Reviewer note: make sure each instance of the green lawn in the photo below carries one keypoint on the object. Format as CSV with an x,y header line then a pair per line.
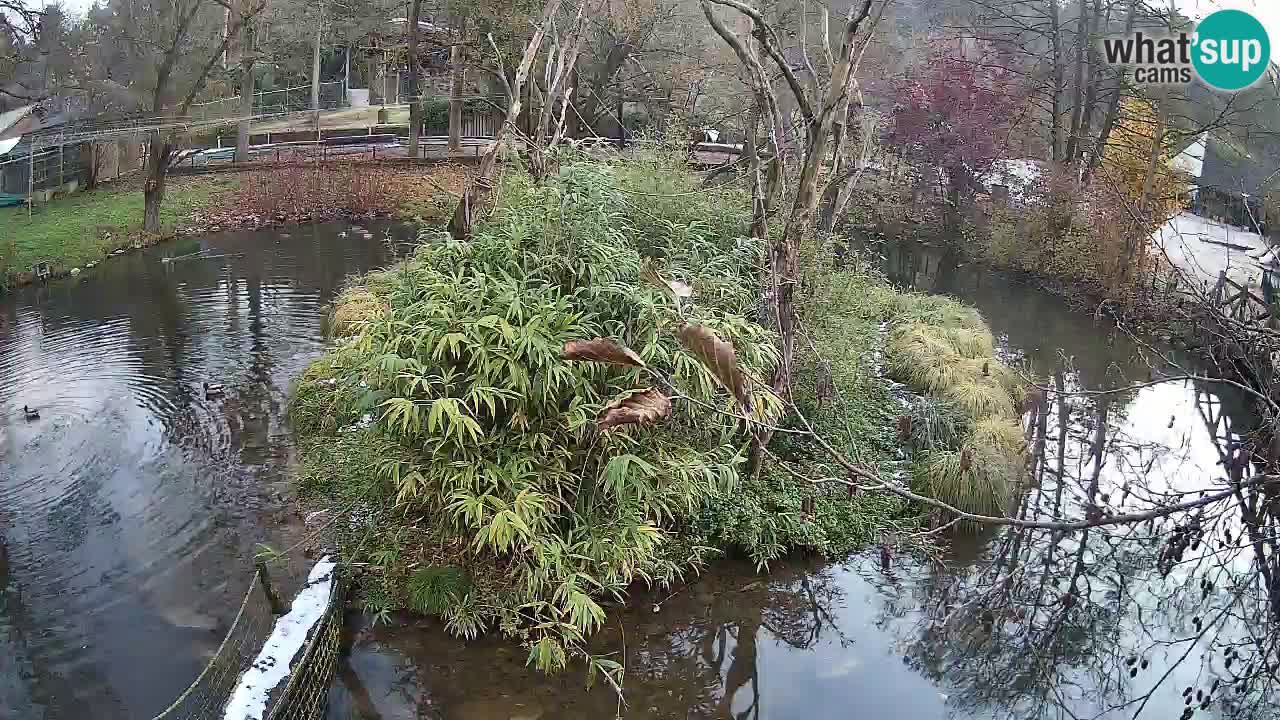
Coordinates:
x,y
72,230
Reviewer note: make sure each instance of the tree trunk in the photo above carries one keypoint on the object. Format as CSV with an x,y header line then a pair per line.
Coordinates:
x,y
246,89
1055,104
415,102
315,73
1095,77
458,70
1113,109
1078,101
154,184
759,205
94,168
376,94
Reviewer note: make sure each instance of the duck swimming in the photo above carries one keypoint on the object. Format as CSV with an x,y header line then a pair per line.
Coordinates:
x,y
213,390
30,413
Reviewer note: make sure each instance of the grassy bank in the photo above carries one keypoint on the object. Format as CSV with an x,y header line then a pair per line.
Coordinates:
x,y
485,478
80,228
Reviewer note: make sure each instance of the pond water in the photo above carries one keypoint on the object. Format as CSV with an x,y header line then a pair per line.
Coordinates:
x,y
130,509
985,630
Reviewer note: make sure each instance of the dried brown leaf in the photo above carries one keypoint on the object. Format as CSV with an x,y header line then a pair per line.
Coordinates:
x,y
642,408
601,350
719,357
673,289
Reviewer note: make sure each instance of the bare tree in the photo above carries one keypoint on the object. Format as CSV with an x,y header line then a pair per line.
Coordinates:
x,y
478,199
23,31
248,56
415,103
167,46
818,109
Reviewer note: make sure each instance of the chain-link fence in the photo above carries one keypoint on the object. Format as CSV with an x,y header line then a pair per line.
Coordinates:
x,y
306,691
273,102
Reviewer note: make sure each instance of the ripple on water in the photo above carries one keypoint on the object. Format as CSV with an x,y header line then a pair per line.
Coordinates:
x,y
129,509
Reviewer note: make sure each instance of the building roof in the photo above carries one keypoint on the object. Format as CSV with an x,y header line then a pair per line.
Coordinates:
x,y
11,118
1251,167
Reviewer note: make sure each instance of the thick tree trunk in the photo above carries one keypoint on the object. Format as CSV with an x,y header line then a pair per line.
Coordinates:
x,y
1095,78
415,102
1078,108
154,183
246,90
834,198
458,70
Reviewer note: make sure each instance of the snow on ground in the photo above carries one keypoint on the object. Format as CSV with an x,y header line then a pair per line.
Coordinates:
x,y
1019,175
288,637
1194,244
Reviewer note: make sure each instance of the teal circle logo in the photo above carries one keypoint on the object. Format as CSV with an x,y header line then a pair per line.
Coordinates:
x,y
1231,50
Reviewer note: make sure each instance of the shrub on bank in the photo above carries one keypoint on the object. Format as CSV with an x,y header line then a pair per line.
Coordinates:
x,y
500,476
470,457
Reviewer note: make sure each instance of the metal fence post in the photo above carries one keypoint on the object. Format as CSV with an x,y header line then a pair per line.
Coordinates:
x,y
31,178
277,607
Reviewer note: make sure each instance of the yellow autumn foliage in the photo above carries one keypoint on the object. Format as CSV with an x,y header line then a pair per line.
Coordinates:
x,y
1127,162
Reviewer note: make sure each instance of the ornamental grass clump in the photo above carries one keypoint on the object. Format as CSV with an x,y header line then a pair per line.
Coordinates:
x,y
942,350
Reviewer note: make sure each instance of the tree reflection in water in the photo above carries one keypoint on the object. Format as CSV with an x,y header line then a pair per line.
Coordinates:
x,y
1166,618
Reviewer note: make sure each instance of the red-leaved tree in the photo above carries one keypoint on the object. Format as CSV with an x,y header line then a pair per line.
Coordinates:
x,y
955,118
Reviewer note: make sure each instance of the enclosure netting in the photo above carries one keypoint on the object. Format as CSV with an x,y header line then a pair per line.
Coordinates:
x,y
307,688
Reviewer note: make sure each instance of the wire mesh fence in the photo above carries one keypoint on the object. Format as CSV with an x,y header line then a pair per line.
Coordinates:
x,y
304,695
273,102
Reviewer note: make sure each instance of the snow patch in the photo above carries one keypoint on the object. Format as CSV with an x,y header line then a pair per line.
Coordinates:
x,y
1020,176
365,422
288,637
1202,249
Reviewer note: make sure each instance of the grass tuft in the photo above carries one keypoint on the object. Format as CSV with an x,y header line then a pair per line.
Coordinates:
x,y
979,399
936,424
353,309
968,342
973,479
999,435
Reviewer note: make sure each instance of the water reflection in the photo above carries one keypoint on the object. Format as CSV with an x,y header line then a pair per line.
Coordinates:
x,y
802,642
1157,619
130,508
